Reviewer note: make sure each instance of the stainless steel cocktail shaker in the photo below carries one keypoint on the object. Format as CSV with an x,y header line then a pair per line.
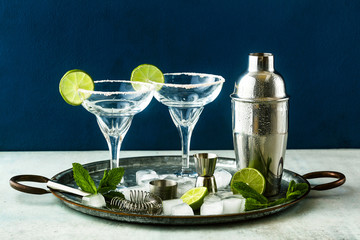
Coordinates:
x,y
260,120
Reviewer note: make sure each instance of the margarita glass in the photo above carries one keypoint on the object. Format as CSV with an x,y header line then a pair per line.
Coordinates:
x,y
186,94
114,103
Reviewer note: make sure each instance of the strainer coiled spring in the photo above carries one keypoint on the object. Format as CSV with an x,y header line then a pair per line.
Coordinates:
x,y
140,202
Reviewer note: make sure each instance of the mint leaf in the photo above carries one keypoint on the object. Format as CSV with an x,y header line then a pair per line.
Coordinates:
x,y
277,202
103,190
247,192
293,195
290,187
83,179
103,180
296,190
253,204
110,180
302,187
108,196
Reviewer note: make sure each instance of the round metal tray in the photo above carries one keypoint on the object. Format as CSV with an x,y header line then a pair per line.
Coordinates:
x,y
166,165
163,165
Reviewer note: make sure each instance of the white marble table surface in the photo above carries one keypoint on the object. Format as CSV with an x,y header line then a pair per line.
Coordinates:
x,y
330,214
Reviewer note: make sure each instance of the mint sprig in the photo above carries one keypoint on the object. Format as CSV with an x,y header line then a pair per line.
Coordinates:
x,y
255,201
295,190
247,192
109,181
83,179
108,196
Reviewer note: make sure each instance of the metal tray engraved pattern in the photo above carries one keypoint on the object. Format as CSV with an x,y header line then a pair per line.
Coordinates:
x,y
164,165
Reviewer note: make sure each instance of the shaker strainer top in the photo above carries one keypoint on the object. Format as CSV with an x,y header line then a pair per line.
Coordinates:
x,y
261,82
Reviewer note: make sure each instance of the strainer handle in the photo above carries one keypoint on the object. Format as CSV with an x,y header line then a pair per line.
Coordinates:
x,y
326,174
14,183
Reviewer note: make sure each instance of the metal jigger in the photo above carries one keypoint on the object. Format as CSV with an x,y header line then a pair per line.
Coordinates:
x,y
205,166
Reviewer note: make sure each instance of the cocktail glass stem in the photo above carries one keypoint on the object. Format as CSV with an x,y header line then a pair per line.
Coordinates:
x,y
114,130
185,119
185,135
114,143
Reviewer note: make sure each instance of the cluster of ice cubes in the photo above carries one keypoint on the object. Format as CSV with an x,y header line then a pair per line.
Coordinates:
x,y
222,202
176,207
143,177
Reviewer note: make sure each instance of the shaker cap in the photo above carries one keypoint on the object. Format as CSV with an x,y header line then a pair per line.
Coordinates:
x,y
260,82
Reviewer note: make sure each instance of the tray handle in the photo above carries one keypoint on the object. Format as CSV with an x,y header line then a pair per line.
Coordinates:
x,y
323,174
14,183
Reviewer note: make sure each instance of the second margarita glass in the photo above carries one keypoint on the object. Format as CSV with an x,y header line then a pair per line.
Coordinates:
x,y
186,94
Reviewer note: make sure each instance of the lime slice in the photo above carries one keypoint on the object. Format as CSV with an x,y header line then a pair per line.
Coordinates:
x,y
251,177
147,73
71,82
195,197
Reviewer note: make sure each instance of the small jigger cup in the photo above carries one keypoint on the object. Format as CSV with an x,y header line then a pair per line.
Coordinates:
x,y
165,189
205,166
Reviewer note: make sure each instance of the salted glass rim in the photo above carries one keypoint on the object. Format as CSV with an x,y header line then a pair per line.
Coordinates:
x,y
109,93
188,86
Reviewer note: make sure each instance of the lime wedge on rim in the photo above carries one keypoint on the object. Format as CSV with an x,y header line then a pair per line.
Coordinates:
x,y
147,73
195,197
251,177
71,82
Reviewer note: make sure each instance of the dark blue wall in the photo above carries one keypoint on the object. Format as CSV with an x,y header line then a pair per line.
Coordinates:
x,y
315,43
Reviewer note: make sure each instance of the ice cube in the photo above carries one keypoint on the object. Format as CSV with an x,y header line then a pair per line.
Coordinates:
x,y
212,206
222,178
182,210
145,176
168,204
184,186
185,180
94,200
169,177
224,194
212,197
233,204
